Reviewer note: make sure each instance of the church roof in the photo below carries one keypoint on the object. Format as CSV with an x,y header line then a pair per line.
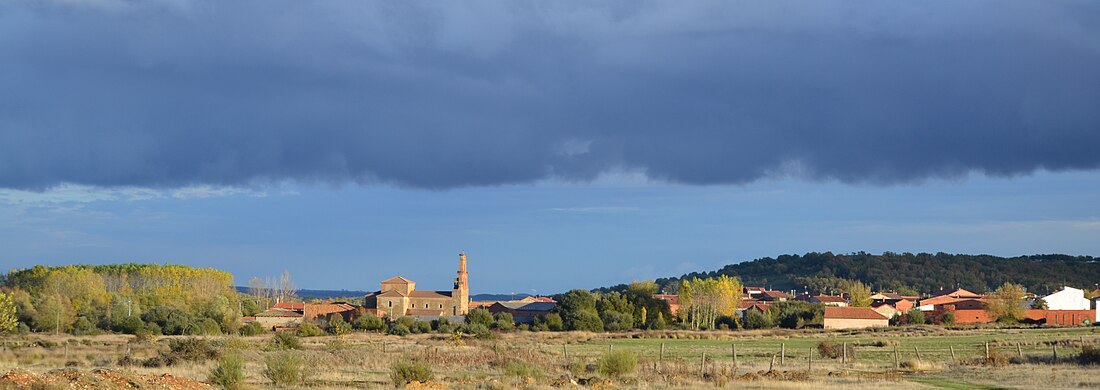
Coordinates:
x,y
397,279
429,294
391,294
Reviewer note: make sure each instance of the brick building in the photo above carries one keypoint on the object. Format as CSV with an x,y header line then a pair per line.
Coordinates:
x,y
399,297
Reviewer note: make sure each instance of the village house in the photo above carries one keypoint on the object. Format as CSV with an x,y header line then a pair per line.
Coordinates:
x,y
673,301
398,297
523,312
1068,298
853,318
773,296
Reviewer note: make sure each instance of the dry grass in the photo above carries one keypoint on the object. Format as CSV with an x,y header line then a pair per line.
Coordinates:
x,y
362,360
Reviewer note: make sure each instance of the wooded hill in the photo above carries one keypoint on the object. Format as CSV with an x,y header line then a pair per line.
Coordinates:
x,y
907,272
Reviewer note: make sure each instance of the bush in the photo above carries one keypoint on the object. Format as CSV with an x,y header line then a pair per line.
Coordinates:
x,y
587,320
308,329
618,363
284,340
756,320
229,373
370,322
285,368
828,350
554,322
128,325
478,330
398,329
403,373
948,318
916,316
82,327
422,327
479,316
503,321
192,349
614,321
252,329
1090,355
440,322
210,327
338,326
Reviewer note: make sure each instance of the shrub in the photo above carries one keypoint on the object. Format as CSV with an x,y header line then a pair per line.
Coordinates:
x,y
618,363
338,326
210,327
754,319
828,350
398,329
308,329
479,316
916,316
587,320
554,322
82,326
503,321
252,329
441,321
284,340
402,373
370,322
478,330
229,373
948,318
1090,355
614,321
128,325
285,368
409,322
192,349
422,327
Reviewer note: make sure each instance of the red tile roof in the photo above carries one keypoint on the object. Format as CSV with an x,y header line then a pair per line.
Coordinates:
x,y
430,294
289,305
853,313
279,313
397,280
670,298
391,294
829,299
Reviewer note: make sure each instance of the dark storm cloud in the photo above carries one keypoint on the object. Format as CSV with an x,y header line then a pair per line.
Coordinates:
x,y
442,95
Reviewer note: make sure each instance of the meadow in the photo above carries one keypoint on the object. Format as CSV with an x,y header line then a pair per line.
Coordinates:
x,y
907,357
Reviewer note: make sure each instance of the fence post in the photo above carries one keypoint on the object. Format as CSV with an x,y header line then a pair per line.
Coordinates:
x,y
610,348
703,364
1019,351
782,354
661,359
918,353
844,355
897,362
771,366
952,348
565,351
735,355
987,350
1054,348
810,360
384,347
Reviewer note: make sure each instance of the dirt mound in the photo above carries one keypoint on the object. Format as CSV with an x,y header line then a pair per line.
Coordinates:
x,y
97,379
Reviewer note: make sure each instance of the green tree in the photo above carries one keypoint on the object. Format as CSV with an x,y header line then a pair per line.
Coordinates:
x,y
1040,304
479,316
578,311
370,322
553,322
503,321
916,316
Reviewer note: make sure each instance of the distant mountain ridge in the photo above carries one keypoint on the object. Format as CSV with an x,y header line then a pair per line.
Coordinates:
x,y
915,273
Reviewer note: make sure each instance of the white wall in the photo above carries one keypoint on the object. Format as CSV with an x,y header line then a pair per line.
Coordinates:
x,y
1068,298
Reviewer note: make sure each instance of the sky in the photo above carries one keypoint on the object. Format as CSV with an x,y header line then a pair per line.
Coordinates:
x,y
561,144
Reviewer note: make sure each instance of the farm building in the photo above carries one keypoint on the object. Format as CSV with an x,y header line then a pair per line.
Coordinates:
x,y
854,318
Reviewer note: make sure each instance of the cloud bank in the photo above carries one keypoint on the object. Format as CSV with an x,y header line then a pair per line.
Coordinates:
x,y
444,95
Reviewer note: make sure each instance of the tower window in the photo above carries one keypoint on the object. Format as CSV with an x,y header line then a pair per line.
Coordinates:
x,y
391,303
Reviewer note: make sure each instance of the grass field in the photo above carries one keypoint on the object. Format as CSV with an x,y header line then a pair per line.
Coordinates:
x,y
690,359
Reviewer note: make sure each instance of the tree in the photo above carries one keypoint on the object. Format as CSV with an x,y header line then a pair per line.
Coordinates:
x,y
1040,304
916,316
479,316
54,314
8,319
553,322
503,321
578,311
859,294
1006,303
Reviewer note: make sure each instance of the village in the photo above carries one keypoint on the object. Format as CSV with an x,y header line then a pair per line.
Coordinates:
x,y
399,298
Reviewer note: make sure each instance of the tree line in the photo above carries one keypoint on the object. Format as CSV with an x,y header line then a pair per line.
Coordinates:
x,y
907,273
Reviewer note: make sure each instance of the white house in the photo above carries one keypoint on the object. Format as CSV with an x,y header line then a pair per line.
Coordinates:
x,y
1068,298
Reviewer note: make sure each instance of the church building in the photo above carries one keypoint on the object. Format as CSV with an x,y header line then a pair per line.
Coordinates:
x,y
399,297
